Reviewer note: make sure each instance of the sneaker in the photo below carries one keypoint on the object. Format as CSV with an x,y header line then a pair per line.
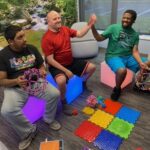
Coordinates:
x,y
116,94
68,110
27,141
86,88
55,125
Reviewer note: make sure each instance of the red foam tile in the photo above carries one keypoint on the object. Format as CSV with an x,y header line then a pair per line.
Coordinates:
x,y
88,131
112,107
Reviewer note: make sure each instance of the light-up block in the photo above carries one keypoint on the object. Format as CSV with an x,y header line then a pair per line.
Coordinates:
x,y
52,145
107,76
74,87
34,109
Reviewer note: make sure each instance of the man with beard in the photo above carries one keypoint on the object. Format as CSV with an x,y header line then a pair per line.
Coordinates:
x,y
56,46
122,50
12,68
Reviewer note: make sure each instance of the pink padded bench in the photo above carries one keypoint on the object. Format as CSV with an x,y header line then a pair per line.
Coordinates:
x,y
107,76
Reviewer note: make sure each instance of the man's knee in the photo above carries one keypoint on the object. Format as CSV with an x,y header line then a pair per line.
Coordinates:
x,y
61,80
122,71
56,93
91,68
6,112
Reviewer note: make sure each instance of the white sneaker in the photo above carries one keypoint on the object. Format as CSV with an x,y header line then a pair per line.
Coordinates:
x,y
27,141
55,125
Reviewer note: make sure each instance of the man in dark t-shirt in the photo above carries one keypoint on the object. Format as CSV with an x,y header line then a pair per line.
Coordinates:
x,y
15,59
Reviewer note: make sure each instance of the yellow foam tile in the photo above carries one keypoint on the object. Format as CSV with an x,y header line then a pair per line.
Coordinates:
x,y
101,118
88,110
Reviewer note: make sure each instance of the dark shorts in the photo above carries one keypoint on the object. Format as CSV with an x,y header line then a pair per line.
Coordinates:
x,y
78,67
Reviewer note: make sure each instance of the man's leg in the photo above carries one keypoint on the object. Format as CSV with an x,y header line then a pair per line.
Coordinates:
x,y
120,76
133,65
14,100
117,66
88,71
83,69
61,80
51,95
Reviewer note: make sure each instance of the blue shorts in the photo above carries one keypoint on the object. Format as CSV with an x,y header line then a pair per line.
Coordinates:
x,y
119,62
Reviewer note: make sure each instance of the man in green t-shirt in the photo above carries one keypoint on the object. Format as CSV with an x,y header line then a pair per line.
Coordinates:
x,y
122,50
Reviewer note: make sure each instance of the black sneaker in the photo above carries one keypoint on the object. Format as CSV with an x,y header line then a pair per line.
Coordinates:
x,y
68,110
86,88
116,94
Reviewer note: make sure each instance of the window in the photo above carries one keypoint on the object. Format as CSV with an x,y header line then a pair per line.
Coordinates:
x,y
102,8
111,11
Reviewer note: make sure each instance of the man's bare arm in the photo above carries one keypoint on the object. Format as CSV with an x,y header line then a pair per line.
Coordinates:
x,y
51,61
11,82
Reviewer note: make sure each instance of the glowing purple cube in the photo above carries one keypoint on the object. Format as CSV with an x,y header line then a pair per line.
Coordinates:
x,y
34,109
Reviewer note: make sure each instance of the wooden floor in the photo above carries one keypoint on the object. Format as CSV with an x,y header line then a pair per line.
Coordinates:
x,y
139,137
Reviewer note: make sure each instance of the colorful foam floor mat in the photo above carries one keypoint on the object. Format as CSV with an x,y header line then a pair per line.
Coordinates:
x,y
107,127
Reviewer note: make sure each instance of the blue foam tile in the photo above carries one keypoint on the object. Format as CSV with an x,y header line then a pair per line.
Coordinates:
x,y
73,89
128,114
107,141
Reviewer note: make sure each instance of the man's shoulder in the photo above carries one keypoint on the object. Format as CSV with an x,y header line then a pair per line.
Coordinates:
x,y
31,47
115,25
4,50
65,28
133,30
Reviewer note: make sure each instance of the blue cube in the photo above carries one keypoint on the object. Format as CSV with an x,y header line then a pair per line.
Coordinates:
x,y
74,87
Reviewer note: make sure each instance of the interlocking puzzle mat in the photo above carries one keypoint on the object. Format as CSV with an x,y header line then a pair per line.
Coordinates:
x,y
107,141
128,114
88,131
120,127
112,107
116,122
101,118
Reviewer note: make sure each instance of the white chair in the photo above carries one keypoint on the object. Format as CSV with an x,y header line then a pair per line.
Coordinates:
x,y
86,46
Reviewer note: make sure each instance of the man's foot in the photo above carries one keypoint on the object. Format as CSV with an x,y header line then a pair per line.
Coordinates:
x,y
116,94
85,87
68,110
135,88
27,141
55,125
138,89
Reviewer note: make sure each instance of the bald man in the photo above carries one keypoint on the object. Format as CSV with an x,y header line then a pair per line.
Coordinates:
x,y
56,46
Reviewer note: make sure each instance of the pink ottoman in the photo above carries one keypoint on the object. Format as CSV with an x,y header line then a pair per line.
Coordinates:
x,y
107,76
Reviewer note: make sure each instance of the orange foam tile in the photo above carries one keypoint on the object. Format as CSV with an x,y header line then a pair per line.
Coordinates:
x,y
50,145
112,107
101,118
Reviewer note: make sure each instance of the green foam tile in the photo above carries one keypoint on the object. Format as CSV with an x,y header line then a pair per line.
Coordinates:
x,y
120,127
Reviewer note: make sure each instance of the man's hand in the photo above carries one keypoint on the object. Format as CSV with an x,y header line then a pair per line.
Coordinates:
x,y
92,20
43,73
69,74
143,65
21,81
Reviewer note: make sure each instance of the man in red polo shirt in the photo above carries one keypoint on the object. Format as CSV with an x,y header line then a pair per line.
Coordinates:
x,y
56,46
